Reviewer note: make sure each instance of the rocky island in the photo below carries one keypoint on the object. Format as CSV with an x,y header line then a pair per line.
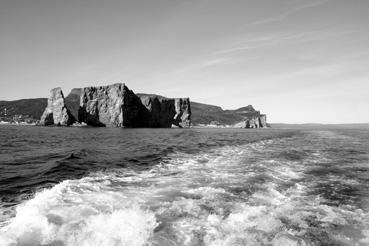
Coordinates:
x,y
117,106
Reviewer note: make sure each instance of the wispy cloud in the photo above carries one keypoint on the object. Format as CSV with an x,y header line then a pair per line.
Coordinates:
x,y
268,40
327,74
286,14
204,64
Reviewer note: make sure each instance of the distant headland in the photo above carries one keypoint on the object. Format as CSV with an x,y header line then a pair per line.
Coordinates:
x,y
117,106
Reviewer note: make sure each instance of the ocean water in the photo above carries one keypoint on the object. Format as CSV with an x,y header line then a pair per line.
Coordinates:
x,y
111,187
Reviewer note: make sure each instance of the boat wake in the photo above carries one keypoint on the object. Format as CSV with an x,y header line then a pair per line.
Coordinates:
x,y
253,194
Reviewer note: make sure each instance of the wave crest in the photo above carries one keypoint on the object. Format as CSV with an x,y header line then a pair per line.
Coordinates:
x,y
79,212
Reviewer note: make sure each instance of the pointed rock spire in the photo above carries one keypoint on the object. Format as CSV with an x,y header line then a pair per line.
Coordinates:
x,y
56,112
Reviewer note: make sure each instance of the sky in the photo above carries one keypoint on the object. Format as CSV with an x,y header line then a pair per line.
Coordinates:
x,y
298,61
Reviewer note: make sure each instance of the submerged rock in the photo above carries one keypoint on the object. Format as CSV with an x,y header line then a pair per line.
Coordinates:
x,y
56,112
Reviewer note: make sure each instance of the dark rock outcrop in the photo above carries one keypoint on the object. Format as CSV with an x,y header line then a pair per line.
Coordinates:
x,y
56,112
115,105
72,101
165,112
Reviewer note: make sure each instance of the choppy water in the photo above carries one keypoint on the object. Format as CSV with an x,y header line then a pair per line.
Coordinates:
x,y
84,187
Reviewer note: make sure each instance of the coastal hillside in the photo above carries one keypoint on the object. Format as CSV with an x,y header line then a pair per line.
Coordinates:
x,y
211,114
27,110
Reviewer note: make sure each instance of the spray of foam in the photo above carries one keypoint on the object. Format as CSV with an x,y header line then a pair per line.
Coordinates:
x,y
79,212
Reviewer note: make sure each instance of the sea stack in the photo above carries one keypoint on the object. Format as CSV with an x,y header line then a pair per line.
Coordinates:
x,y
56,112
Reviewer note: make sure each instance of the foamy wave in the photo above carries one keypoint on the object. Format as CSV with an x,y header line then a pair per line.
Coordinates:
x,y
79,212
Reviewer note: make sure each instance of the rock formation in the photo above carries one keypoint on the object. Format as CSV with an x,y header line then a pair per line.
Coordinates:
x,y
116,105
183,112
196,113
56,112
251,118
253,122
263,121
165,112
103,106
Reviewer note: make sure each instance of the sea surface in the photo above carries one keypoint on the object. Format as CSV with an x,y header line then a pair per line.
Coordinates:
x,y
112,187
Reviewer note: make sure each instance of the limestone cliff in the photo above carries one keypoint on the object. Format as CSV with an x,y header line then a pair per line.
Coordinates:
x,y
56,112
116,105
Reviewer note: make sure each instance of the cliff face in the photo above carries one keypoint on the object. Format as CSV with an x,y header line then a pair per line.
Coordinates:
x,y
165,112
183,112
72,101
160,111
103,106
56,112
116,105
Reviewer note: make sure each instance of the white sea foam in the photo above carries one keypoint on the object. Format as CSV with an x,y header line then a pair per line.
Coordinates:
x,y
79,212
